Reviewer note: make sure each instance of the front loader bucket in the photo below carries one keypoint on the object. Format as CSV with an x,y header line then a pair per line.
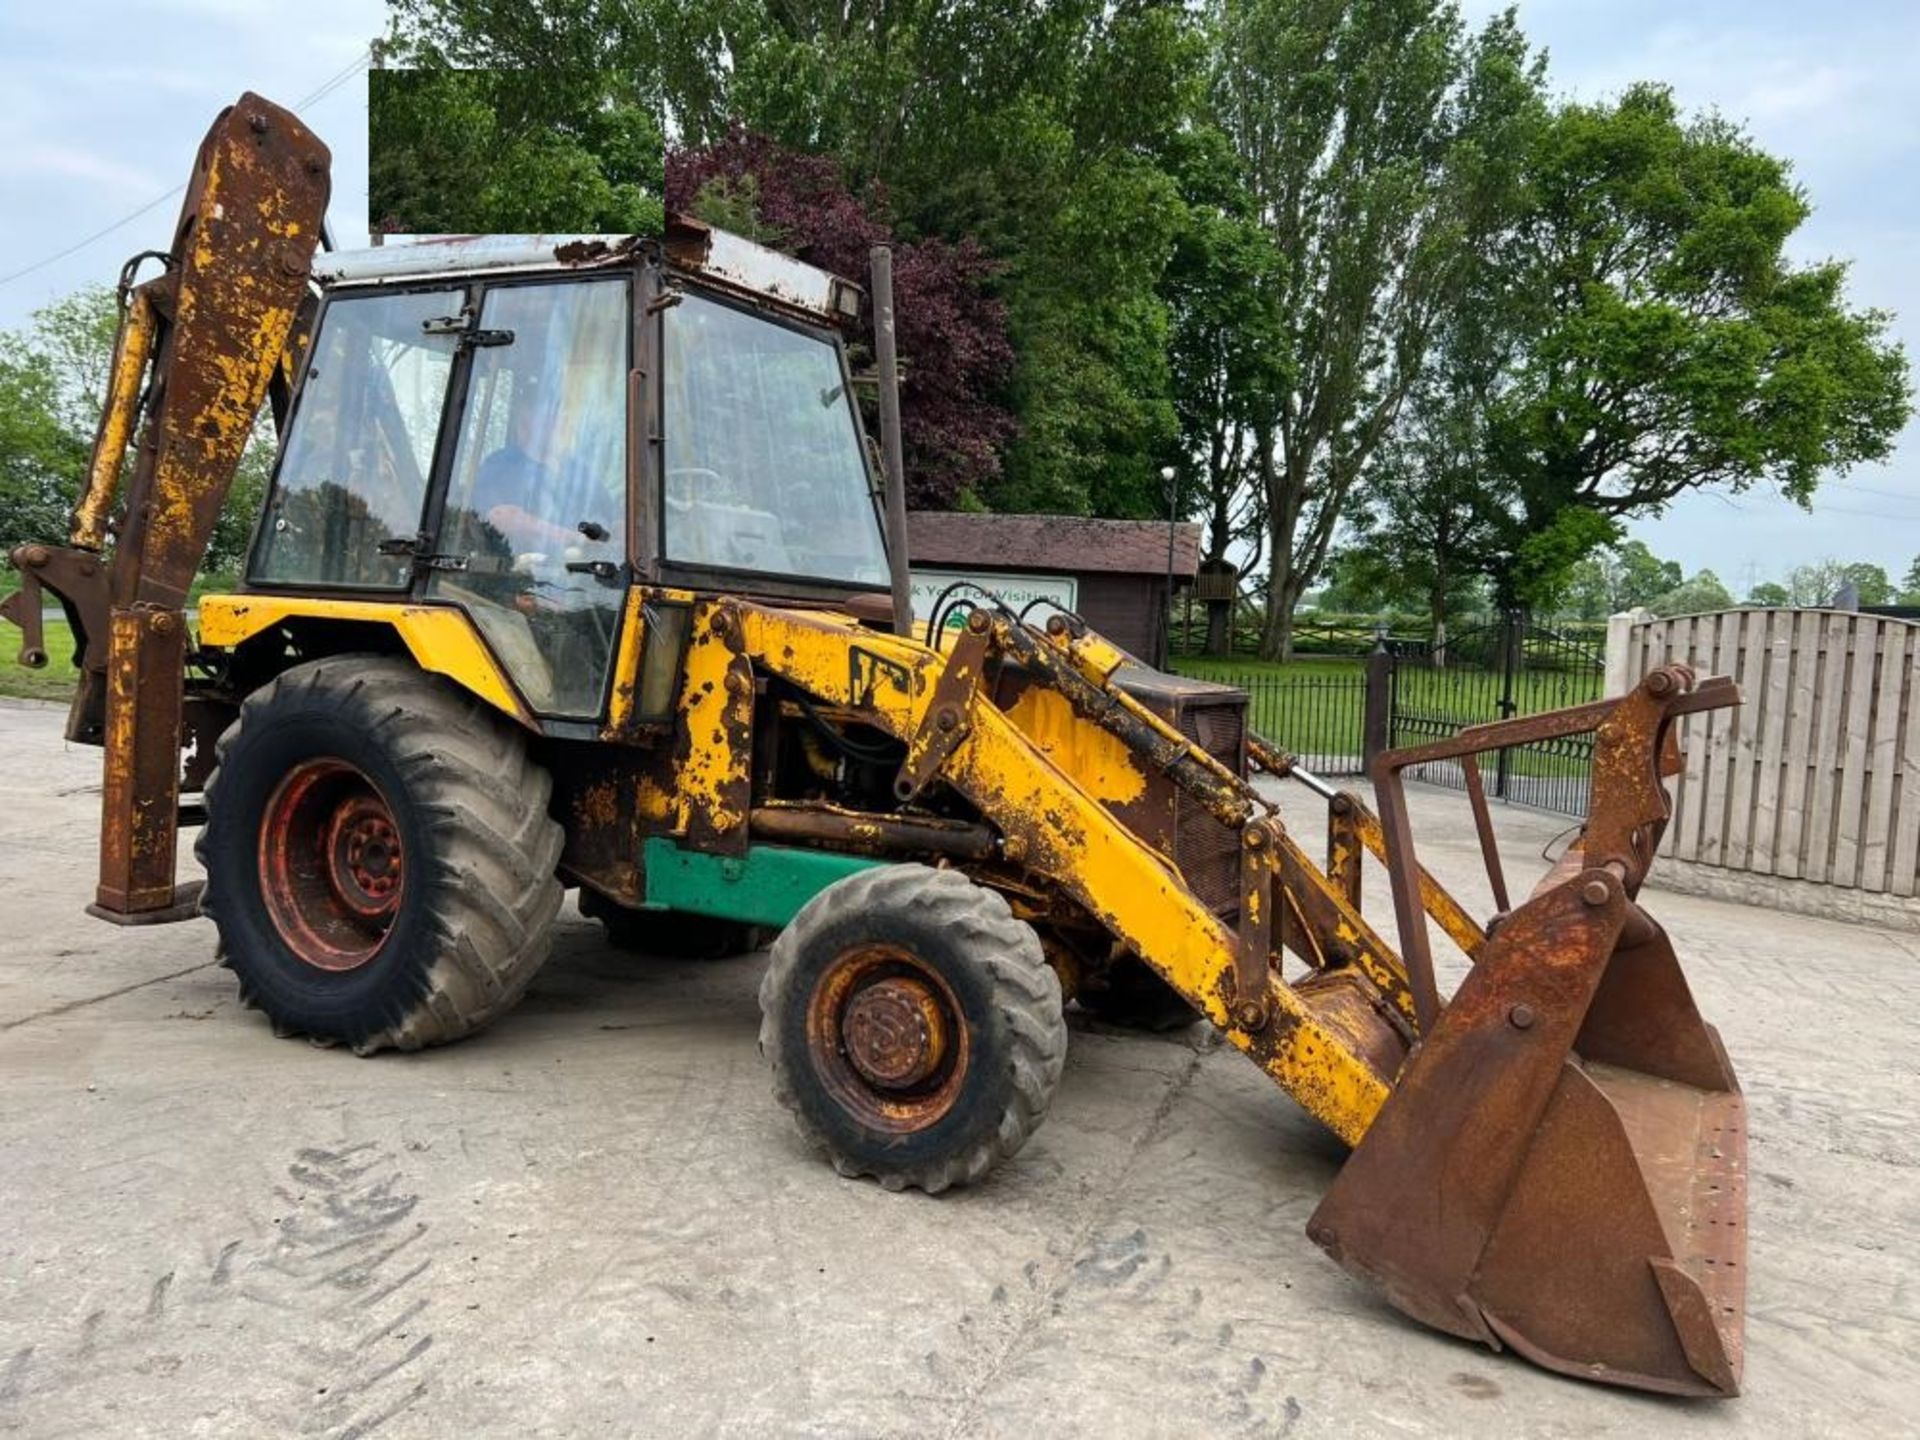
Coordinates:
x,y
1561,1167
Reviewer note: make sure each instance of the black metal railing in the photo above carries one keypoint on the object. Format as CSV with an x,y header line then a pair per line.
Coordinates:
x,y
1350,692
1315,712
1493,672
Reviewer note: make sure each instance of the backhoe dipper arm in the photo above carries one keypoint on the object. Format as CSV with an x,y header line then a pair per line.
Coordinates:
x,y
205,338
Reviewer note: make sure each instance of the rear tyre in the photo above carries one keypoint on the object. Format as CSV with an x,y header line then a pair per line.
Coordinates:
x,y
379,858
669,933
913,1026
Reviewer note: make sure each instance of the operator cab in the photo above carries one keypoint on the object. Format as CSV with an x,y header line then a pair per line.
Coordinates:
x,y
526,426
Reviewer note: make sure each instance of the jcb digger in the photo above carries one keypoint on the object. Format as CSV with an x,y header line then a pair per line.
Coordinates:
x,y
578,570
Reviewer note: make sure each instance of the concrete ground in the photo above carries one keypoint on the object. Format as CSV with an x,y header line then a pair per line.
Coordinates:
x,y
594,1220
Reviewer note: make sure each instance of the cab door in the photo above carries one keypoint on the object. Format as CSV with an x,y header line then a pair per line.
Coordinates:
x,y
532,531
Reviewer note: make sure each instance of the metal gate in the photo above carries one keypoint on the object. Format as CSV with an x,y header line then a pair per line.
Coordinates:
x,y
1511,667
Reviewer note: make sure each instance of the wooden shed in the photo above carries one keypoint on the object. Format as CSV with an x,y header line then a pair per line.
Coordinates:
x,y
1111,572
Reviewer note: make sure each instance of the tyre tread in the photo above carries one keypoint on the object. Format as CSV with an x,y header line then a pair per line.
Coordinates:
x,y
497,876
1026,992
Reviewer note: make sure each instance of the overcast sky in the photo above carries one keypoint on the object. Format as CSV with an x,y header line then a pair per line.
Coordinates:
x,y
104,104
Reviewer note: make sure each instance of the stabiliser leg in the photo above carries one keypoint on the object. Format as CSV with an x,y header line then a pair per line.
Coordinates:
x,y
211,332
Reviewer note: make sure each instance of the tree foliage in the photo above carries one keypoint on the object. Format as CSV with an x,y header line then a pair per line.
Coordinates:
x,y
1619,577
1820,582
53,379
1663,342
512,151
1343,263
1640,335
1700,593
41,460
1909,593
1377,138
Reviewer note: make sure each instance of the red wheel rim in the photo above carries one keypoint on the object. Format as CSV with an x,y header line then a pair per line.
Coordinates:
x,y
332,864
887,1038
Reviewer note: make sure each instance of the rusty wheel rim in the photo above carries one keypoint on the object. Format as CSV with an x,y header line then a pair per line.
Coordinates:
x,y
887,1038
332,864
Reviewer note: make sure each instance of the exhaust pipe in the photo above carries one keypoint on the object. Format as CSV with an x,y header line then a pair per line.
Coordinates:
x,y
890,446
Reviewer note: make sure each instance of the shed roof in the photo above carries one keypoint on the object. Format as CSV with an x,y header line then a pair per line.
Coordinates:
x,y
1070,544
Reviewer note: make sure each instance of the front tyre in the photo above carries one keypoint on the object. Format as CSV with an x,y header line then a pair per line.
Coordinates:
x,y
379,858
913,1026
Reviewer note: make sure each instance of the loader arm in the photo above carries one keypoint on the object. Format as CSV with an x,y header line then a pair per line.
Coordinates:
x,y
1553,1159
197,350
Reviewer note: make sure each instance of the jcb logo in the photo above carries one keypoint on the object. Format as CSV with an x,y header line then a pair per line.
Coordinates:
x,y
866,670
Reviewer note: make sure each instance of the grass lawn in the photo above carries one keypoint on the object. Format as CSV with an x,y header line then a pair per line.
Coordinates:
x,y
1311,706
55,682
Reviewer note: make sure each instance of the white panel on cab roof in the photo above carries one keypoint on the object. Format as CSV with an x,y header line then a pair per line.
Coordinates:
x,y
462,254
732,261
747,266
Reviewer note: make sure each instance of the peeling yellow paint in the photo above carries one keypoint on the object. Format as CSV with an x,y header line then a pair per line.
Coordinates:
x,y
439,637
1096,758
1067,834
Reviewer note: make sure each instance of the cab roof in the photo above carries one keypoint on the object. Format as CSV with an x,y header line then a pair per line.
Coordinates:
x,y
718,256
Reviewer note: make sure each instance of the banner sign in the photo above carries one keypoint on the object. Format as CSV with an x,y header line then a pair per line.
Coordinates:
x,y
1018,591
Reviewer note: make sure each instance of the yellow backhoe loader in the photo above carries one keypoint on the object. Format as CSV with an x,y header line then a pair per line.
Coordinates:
x,y
577,570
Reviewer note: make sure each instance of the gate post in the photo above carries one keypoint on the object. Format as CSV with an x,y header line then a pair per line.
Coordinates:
x,y
1513,638
1376,724
1621,675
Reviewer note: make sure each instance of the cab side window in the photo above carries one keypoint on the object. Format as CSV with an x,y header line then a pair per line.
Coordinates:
x,y
353,471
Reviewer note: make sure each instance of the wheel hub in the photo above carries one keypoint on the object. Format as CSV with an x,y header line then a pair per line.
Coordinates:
x,y
888,1038
332,864
896,1035
364,856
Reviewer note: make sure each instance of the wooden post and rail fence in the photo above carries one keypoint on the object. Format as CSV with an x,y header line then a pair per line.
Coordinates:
x,y
1806,797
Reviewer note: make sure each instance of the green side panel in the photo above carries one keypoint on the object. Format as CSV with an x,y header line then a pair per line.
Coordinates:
x,y
766,886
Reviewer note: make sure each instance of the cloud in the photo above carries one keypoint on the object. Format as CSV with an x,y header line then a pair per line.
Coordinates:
x,y
49,161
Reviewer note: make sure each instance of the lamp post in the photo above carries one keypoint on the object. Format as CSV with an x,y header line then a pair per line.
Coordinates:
x,y
1169,474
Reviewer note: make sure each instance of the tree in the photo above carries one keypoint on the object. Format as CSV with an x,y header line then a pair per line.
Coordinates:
x,y
1910,585
1425,516
1701,593
1377,139
1620,577
1042,132
53,378
76,333
1640,575
1225,351
1821,582
1870,583
1665,342
513,151
41,460
951,330
1769,593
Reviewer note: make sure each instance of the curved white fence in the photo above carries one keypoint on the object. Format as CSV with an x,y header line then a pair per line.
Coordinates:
x,y
1816,777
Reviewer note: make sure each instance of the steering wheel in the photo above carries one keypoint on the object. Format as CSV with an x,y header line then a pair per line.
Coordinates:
x,y
719,484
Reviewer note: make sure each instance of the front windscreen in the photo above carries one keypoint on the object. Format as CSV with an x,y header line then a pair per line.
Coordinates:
x,y
764,465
